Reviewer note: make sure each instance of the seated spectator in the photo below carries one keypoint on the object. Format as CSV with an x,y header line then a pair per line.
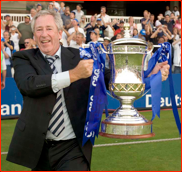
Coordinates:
x,y
65,35
173,17
25,30
175,35
101,27
93,36
33,12
75,25
89,27
148,31
151,22
29,44
39,7
121,27
141,35
145,20
177,55
115,24
119,36
82,22
7,54
8,22
99,38
178,24
168,22
66,14
132,25
72,15
106,42
175,11
79,41
78,12
8,42
167,12
62,8
68,24
159,18
50,6
15,37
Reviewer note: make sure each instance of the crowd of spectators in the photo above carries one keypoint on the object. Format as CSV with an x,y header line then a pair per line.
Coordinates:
x,y
76,31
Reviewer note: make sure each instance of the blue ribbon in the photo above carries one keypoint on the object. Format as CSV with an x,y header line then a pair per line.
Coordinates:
x,y
154,82
97,94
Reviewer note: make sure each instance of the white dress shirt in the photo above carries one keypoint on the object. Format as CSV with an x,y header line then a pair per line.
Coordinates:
x,y
60,81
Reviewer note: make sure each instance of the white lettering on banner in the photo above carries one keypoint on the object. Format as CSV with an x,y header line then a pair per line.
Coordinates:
x,y
10,110
95,78
90,104
165,101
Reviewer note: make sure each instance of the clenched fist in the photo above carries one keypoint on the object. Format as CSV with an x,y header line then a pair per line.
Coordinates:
x,y
82,70
164,68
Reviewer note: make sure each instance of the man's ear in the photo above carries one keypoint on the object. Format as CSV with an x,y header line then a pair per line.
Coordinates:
x,y
60,34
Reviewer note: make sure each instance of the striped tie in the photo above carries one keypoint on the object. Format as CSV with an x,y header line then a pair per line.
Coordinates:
x,y
56,123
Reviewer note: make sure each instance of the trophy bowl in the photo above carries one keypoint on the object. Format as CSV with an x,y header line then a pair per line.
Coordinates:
x,y
127,85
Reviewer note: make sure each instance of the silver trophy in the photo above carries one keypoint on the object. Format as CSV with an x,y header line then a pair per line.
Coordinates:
x,y
126,85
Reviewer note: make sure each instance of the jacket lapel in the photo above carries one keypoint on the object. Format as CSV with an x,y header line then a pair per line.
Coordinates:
x,y
43,64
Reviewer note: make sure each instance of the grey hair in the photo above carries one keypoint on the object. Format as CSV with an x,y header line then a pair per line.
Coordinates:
x,y
81,34
57,18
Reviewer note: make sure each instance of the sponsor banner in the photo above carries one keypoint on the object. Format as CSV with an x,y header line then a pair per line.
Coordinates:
x,y
12,101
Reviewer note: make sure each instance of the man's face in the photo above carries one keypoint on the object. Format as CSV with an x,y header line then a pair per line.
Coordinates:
x,y
175,9
39,7
167,8
78,8
74,23
160,41
99,22
172,15
67,11
32,12
46,34
27,19
26,42
103,10
145,14
50,6
72,16
93,36
92,18
62,4
7,18
79,39
167,18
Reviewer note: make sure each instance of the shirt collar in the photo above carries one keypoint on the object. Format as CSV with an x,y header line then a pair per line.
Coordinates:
x,y
58,53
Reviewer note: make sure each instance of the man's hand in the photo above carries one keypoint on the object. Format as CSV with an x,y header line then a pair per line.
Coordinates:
x,y
82,70
164,68
2,85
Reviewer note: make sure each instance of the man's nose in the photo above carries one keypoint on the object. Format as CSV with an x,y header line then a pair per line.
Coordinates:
x,y
44,32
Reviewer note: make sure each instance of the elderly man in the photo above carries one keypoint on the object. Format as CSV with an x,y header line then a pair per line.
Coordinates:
x,y
54,82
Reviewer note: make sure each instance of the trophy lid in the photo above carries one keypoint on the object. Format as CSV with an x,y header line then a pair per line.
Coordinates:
x,y
130,41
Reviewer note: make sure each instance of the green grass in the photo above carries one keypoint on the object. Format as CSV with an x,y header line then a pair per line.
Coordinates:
x,y
160,156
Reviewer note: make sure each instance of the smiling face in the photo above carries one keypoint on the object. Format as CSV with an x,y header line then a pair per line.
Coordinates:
x,y
46,34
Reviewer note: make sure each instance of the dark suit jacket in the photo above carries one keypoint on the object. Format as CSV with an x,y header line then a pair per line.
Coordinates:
x,y
33,78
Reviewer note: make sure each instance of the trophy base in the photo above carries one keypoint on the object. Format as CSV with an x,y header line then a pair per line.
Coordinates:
x,y
126,127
